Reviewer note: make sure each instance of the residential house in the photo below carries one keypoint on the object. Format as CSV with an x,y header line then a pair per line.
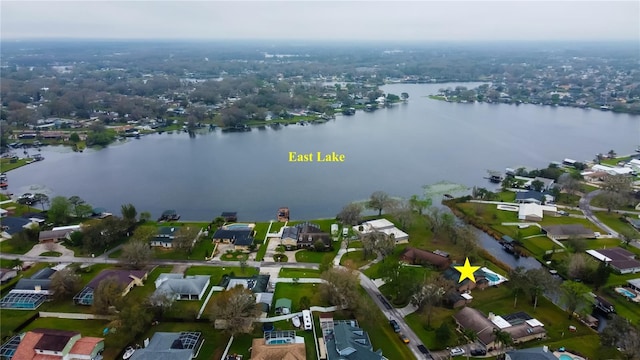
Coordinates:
x,y
415,256
53,344
180,287
347,341
535,212
612,170
164,237
12,225
125,278
561,232
634,284
537,353
289,237
635,223
54,235
547,184
258,284
171,346
621,260
29,293
454,299
242,239
466,285
520,326
7,274
309,234
281,345
385,226
530,197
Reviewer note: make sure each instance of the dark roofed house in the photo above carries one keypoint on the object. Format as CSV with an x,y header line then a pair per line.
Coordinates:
x,y
241,238
171,346
13,225
415,256
348,341
180,287
470,318
635,223
621,260
229,216
538,353
29,293
529,197
560,232
309,233
54,340
126,278
466,285
520,326
164,237
51,344
289,237
43,274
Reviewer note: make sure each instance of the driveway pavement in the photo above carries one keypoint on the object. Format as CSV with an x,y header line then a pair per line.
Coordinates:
x,y
42,248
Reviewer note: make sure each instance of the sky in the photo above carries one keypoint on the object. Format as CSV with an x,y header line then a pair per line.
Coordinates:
x,y
322,20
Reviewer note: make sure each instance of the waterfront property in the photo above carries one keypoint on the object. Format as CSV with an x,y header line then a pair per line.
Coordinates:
x,y
125,278
563,232
415,256
304,236
13,225
242,239
54,235
621,260
520,326
164,237
384,226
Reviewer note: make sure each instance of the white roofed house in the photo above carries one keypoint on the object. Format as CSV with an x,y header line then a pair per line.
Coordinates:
x,y
384,226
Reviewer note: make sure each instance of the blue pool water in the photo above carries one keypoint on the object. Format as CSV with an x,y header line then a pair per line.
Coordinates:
x,y
238,227
626,293
565,357
492,277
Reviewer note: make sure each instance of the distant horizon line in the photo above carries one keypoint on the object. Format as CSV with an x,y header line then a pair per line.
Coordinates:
x,y
341,41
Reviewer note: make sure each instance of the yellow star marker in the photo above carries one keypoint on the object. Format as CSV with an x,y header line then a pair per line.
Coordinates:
x,y
467,271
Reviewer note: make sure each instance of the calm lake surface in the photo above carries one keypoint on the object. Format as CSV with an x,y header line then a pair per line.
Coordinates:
x,y
396,150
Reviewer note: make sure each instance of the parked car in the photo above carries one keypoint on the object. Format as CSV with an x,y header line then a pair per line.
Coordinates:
x,y
478,352
457,351
423,349
403,337
394,325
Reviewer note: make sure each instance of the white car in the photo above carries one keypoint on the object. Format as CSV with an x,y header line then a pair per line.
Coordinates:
x,y
457,351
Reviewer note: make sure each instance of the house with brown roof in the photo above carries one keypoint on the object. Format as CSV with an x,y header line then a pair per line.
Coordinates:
x,y
520,326
281,345
619,259
54,235
561,232
309,234
51,344
415,256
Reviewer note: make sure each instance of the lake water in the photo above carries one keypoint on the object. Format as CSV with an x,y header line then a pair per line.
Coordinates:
x,y
396,150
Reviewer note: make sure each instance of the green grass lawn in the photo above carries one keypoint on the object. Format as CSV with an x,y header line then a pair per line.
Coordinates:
x,y
318,257
355,259
6,164
51,253
217,272
11,319
355,244
564,220
299,273
296,291
201,250
539,245
234,256
15,246
614,221
418,323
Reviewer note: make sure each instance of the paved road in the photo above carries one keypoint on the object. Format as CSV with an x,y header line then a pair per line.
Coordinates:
x,y
587,210
392,313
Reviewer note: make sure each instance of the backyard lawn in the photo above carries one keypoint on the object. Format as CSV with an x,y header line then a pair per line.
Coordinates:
x,y
614,221
217,272
297,291
299,273
355,259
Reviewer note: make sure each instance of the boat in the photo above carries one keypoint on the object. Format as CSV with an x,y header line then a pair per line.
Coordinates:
x,y
283,214
296,321
128,353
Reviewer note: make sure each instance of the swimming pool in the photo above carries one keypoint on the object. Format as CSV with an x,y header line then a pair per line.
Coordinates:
x,y
565,357
626,293
238,227
492,277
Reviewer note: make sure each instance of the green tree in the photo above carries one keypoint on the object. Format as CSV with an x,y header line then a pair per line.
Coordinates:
x,y
538,281
304,303
537,185
503,339
129,213
136,254
65,284
428,295
145,216
419,204
236,309
601,275
350,214
60,210
444,333
573,296
340,287
379,200
74,137
107,296
76,201
517,282
185,238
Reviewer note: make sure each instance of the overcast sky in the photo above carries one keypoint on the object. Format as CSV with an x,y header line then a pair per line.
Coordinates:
x,y
318,20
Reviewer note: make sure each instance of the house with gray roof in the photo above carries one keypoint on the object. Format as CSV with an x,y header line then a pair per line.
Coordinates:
x,y
171,346
537,353
180,287
348,341
164,237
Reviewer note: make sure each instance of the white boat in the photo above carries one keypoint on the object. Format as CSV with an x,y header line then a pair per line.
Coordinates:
x,y
127,353
296,321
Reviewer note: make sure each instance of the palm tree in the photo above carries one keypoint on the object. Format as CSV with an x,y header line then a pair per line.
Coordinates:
x,y
471,336
517,283
503,338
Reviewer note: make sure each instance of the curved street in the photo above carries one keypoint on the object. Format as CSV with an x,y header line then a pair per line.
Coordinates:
x,y
585,206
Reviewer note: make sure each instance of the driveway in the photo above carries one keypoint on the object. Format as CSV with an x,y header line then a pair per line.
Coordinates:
x,y
42,248
585,207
